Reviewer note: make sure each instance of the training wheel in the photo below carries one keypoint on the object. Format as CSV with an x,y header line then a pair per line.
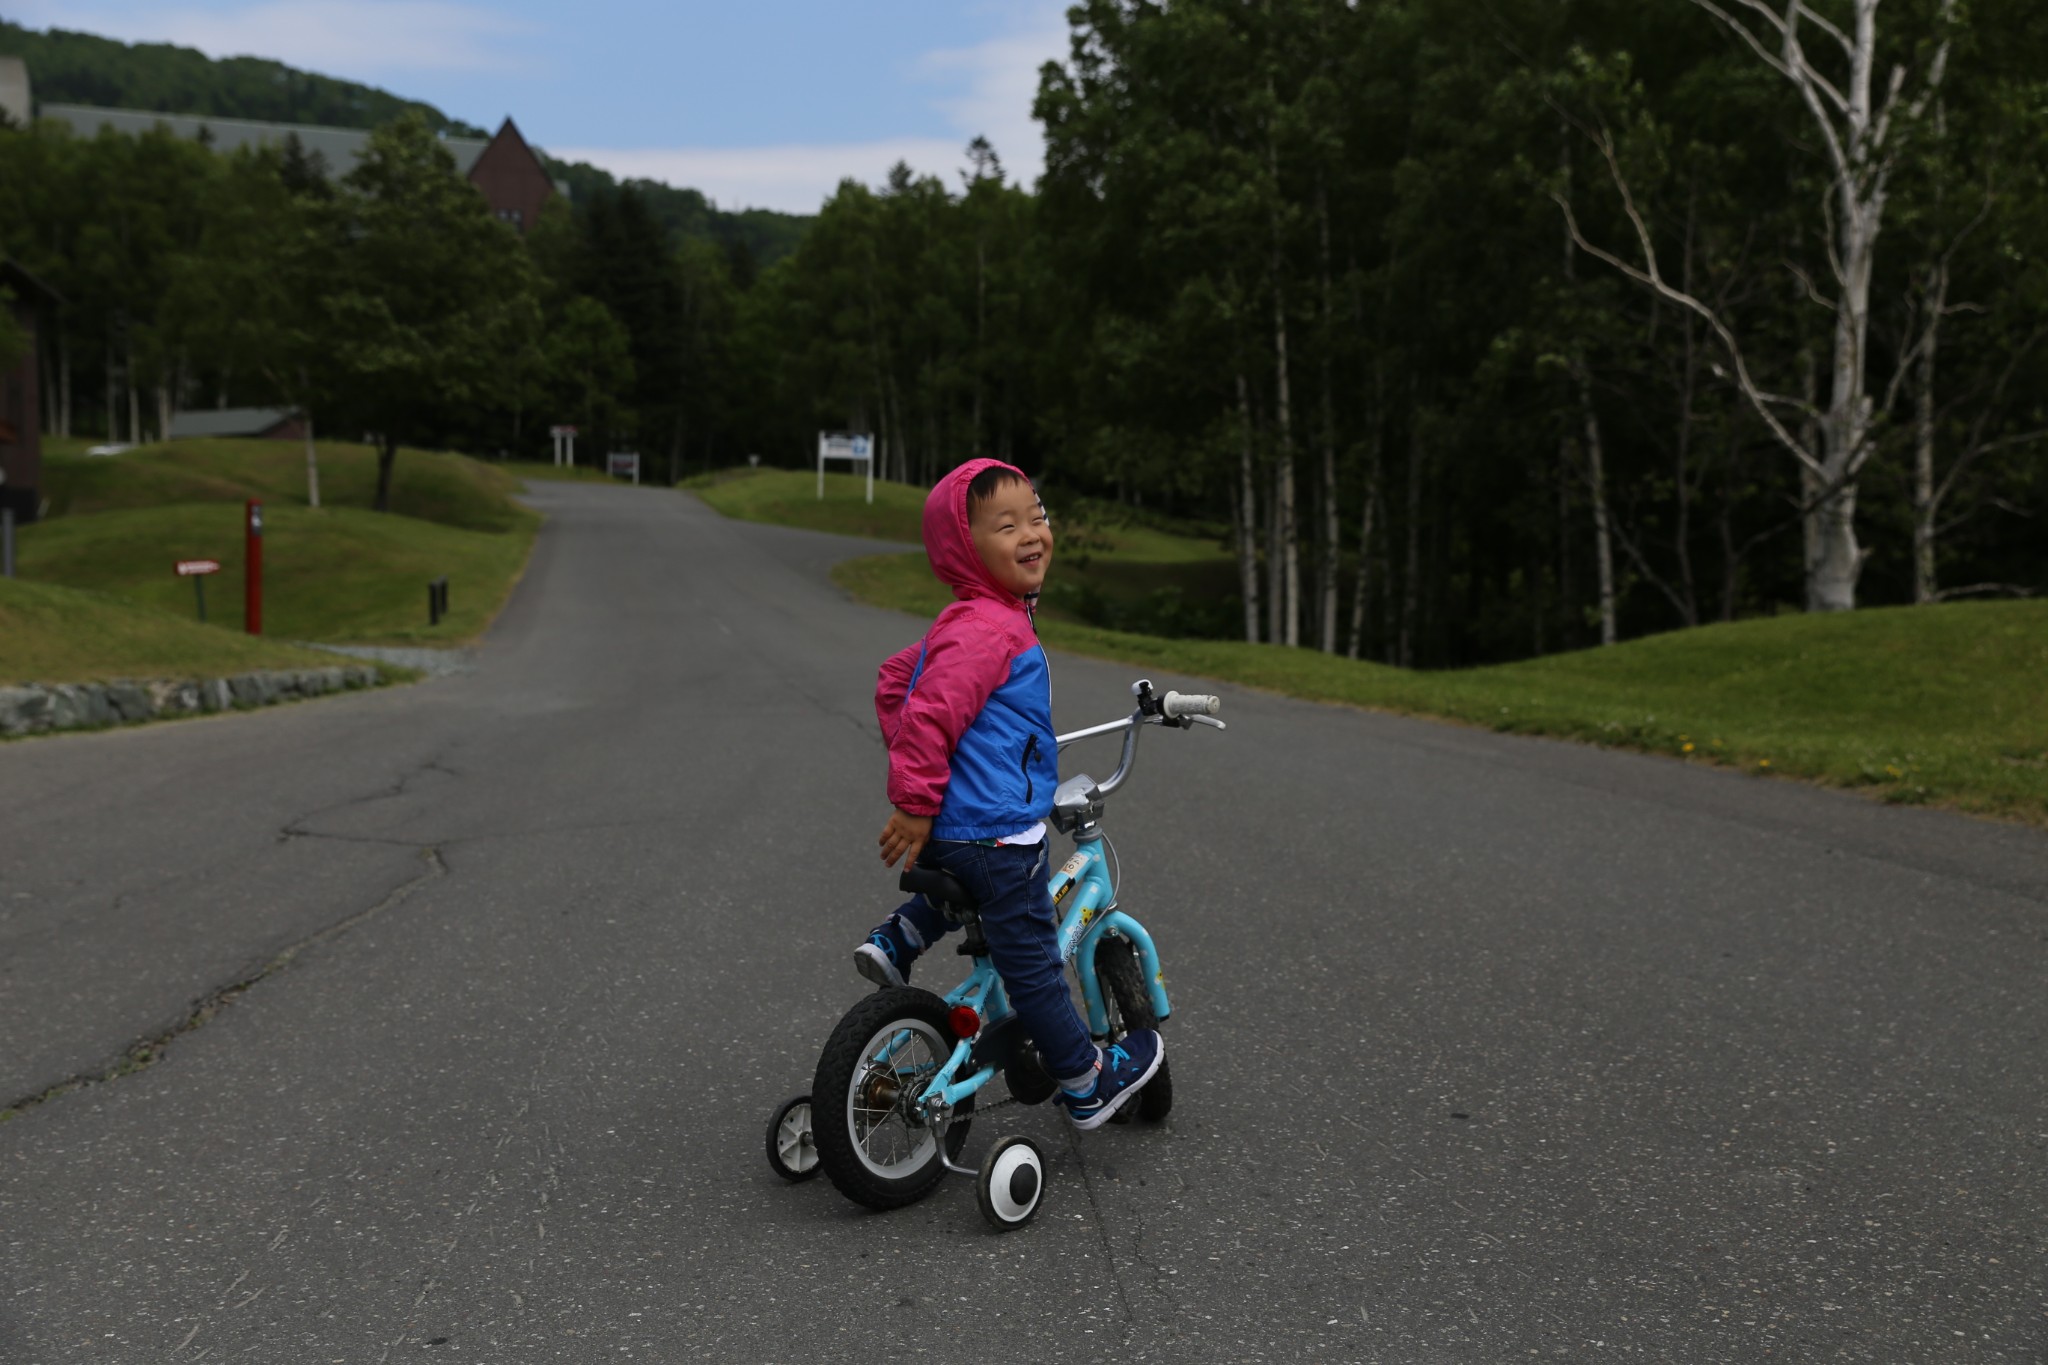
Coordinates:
x,y
792,1149
1012,1183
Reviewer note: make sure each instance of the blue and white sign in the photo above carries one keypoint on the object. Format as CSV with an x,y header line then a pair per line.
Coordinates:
x,y
834,445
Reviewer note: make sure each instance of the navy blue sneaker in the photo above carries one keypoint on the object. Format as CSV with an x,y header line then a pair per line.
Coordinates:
x,y
886,957
1126,1066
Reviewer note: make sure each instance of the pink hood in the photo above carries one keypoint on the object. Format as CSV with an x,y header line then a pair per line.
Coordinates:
x,y
949,540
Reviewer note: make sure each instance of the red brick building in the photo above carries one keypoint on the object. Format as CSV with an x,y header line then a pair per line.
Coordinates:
x,y
513,181
21,425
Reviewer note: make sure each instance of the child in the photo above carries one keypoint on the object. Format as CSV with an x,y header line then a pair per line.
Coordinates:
x,y
967,715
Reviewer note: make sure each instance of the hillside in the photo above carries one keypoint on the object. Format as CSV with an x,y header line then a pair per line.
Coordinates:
x,y
83,68
339,573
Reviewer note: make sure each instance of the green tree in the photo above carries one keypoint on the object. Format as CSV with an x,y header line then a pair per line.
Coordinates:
x,y
430,297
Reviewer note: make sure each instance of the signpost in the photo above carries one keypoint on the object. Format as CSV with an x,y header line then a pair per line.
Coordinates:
x,y
197,570
252,582
855,449
565,445
623,463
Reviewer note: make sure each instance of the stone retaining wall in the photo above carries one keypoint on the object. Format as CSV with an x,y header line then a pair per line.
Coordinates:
x,y
36,708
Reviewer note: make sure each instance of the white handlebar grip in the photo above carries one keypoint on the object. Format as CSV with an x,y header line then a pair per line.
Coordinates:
x,y
1177,704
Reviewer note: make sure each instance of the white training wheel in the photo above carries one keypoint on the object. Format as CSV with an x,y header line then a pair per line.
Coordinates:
x,y
1012,1183
792,1150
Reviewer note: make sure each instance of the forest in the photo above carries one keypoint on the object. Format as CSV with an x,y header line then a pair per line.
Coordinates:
x,y
1481,329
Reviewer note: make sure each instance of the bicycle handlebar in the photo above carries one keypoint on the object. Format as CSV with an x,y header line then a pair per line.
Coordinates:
x,y
1174,705
1176,709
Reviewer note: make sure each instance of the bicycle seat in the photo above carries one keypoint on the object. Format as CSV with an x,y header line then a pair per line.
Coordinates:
x,y
942,889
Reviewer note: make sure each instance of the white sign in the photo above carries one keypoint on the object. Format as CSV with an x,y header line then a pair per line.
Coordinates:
x,y
833,445
623,464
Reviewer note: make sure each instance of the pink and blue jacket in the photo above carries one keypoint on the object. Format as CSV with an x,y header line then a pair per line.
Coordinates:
x,y
967,710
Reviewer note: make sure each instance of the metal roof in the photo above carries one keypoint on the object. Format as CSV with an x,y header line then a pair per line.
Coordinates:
x,y
14,89
227,421
340,147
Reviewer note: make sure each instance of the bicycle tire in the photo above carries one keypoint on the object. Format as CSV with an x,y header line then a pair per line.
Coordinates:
x,y
1129,1005
846,1086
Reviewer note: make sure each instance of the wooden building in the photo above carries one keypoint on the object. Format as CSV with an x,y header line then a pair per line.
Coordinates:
x,y
514,182
21,419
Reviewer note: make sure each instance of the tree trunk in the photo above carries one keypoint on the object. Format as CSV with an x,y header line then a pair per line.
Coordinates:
x,y
134,398
63,384
1331,556
980,332
1358,591
1290,538
387,456
1276,582
1596,488
113,393
1411,575
312,465
1926,505
1248,514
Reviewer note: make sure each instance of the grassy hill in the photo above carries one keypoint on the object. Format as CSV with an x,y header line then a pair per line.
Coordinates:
x,y
52,634
1117,569
339,573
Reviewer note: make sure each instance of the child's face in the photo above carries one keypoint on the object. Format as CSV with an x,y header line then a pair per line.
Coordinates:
x,y
1013,537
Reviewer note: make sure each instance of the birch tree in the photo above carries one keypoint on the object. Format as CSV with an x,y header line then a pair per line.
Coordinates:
x,y
1860,124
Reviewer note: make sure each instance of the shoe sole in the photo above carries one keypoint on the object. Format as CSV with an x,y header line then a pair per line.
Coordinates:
x,y
1102,1115
874,964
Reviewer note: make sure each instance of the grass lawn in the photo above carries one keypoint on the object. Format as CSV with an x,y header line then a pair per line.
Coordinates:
x,y
789,497
50,634
453,490
337,573
1945,705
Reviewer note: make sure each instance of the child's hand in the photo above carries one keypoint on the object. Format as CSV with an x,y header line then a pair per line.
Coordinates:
x,y
904,837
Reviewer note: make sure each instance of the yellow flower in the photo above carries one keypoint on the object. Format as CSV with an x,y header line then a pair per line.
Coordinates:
x,y
1763,763
1687,749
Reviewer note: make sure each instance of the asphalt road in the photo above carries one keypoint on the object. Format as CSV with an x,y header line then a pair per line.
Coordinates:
x,y
472,999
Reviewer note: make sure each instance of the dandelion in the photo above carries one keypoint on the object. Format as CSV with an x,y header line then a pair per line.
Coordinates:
x,y
1685,749
1763,763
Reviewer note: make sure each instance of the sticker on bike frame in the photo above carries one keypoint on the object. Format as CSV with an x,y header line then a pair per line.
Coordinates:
x,y
1072,867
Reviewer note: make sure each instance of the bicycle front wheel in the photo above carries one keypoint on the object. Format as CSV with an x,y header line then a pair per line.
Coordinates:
x,y
873,1140
1129,1005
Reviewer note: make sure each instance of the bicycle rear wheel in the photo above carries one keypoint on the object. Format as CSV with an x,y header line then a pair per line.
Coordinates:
x,y
873,1140
1129,1006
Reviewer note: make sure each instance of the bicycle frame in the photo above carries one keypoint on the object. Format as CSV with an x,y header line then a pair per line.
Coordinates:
x,y
1085,879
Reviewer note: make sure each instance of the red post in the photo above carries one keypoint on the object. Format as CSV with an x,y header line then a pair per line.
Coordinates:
x,y
252,577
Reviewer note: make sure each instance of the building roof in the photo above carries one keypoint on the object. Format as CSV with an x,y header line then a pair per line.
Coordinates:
x,y
341,148
227,421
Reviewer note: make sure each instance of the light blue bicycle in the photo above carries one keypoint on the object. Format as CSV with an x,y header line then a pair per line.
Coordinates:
x,y
890,1105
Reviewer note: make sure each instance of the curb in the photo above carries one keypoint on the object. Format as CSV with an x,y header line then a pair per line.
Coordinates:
x,y
41,708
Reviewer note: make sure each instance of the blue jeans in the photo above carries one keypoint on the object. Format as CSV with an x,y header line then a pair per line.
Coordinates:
x,y
1013,884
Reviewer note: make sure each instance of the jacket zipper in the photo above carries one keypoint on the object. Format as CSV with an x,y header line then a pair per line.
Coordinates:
x,y
1030,751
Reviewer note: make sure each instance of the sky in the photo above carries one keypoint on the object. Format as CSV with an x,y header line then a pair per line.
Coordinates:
x,y
758,103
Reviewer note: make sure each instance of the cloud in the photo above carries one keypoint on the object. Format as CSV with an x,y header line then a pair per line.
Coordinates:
x,y
792,178
987,92
358,39
998,80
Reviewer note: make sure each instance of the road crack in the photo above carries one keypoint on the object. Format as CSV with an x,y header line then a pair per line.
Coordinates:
x,y
147,1052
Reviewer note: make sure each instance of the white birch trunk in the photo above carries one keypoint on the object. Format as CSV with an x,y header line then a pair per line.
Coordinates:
x,y
1596,488
312,465
1248,515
